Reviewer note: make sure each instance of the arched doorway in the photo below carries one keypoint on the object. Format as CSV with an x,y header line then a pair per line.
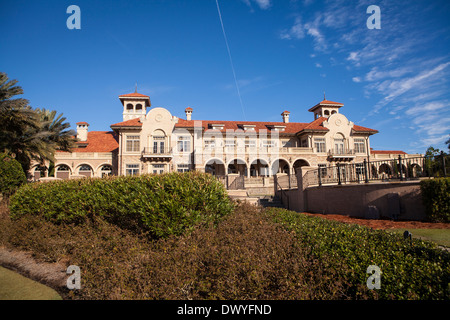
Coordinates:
x,y
280,166
259,168
215,167
298,164
106,170
237,166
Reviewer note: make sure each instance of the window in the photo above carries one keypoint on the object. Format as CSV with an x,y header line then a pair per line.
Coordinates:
x,y
268,143
139,107
319,144
132,169
183,168
250,143
133,144
304,143
360,146
339,146
158,168
230,143
210,144
85,167
323,170
184,143
63,167
159,144
106,170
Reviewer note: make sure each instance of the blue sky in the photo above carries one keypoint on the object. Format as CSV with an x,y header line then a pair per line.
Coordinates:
x,y
285,55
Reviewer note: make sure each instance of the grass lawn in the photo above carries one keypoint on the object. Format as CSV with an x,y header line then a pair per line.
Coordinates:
x,y
439,236
14,286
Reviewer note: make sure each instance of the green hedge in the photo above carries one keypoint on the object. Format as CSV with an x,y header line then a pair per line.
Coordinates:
x,y
436,199
410,270
11,174
159,204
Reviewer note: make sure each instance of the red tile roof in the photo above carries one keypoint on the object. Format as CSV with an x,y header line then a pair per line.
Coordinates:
x,y
291,127
316,125
328,102
363,129
99,141
128,123
82,122
134,94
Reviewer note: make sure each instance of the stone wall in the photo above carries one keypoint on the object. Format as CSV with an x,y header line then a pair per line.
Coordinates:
x,y
399,200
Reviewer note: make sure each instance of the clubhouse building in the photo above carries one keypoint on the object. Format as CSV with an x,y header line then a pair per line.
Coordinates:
x,y
152,141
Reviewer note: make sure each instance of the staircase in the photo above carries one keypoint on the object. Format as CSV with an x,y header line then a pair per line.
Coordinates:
x,y
271,201
242,195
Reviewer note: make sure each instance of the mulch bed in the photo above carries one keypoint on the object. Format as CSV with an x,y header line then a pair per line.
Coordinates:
x,y
383,223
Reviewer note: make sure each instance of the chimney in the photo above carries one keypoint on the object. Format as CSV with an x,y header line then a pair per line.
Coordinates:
x,y
188,111
82,131
285,115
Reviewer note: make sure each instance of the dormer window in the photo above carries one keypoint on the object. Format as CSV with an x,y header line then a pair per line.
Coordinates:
x,y
276,127
217,126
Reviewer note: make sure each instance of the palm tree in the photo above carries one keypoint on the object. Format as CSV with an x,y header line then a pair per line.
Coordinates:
x,y
58,133
26,133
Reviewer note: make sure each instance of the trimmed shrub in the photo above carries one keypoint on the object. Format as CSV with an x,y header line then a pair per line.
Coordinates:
x,y
159,204
436,199
11,174
413,269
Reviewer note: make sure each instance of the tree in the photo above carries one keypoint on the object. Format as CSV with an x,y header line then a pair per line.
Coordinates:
x,y
29,134
11,175
437,162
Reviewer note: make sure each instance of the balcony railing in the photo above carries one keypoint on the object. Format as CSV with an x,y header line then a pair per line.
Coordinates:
x,y
254,150
152,152
341,153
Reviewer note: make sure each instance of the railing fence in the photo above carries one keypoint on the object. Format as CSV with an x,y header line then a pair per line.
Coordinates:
x,y
385,170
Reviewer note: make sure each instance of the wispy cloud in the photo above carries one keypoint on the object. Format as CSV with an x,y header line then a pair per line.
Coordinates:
x,y
393,89
397,67
262,4
297,31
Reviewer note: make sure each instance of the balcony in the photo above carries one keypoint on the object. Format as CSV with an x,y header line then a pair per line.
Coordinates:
x,y
341,154
296,150
157,153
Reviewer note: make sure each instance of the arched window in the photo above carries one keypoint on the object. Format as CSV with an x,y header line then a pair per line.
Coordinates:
x,y
138,107
62,171
85,170
130,107
106,170
326,112
39,172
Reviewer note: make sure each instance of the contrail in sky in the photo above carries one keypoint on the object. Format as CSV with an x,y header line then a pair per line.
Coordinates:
x,y
231,60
